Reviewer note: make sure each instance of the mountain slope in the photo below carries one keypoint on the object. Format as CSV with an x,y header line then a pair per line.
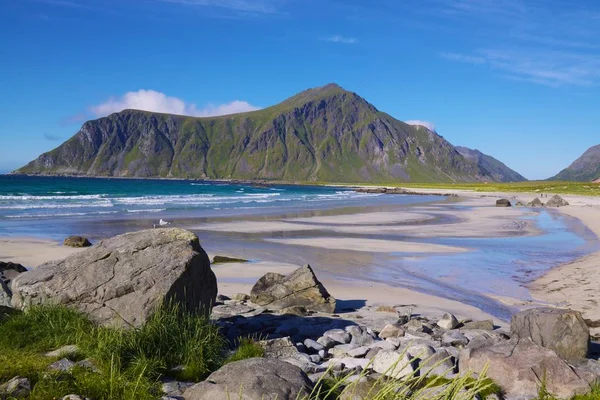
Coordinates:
x,y
497,169
585,169
322,134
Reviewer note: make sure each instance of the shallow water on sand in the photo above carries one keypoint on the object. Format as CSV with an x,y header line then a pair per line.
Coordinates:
x,y
52,208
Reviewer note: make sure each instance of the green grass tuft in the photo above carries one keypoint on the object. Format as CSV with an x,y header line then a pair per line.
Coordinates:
x,y
247,348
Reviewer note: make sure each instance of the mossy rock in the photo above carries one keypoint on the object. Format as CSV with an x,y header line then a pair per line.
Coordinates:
x,y
77,241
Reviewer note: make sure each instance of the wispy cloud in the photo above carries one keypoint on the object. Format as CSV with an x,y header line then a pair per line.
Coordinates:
x,y
245,6
52,138
463,58
150,100
548,42
426,124
340,39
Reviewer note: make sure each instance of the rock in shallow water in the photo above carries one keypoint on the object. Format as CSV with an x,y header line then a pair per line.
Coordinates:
x,y
77,241
121,280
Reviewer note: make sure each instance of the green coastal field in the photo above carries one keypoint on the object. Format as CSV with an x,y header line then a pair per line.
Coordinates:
x,y
574,188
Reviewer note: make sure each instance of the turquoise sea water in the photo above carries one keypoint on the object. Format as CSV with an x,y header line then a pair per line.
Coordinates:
x,y
49,206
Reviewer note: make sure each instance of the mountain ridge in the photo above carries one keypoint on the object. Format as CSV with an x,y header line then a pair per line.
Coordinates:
x,y
495,167
324,134
586,168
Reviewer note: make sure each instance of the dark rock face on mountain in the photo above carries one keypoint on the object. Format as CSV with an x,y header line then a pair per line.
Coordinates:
x,y
322,134
496,169
585,169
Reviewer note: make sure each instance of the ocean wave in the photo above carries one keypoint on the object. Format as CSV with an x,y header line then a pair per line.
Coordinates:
x,y
149,210
46,215
33,206
35,198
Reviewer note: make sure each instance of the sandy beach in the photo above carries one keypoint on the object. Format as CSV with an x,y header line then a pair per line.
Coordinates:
x,y
363,234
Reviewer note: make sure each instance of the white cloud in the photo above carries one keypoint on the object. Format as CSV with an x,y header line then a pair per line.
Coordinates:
x,y
246,6
426,124
340,39
463,58
150,100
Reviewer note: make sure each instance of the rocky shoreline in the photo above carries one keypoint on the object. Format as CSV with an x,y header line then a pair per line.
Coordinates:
x,y
306,335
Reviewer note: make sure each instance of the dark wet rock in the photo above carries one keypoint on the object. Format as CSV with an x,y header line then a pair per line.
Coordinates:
x,y
256,378
77,241
121,280
225,259
563,331
300,288
503,203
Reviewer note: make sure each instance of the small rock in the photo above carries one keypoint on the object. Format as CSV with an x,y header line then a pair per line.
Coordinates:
x,y
312,345
18,387
503,203
487,325
73,397
87,364
315,358
448,322
326,341
62,365
359,352
175,388
323,354
76,241
221,298
535,203
415,325
240,297
391,331
279,348
338,335
341,350
65,351
421,351
383,345
392,364
455,338
439,364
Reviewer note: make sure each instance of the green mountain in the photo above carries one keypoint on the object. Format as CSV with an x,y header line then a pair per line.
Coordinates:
x,y
497,169
585,169
324,134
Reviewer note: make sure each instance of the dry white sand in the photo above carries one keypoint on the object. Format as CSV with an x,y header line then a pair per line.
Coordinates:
x,y
575,285
32,252
370,245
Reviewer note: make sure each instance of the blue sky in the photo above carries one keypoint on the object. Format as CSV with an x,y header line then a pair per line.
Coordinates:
x,y
517,79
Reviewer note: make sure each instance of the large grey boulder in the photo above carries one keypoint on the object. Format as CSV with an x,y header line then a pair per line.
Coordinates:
x,y
121,280
253,379
556,201
519,367
300,288
563,331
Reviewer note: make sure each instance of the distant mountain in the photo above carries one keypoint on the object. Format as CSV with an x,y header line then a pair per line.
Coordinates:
x,y
324,134
498,170
585,169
